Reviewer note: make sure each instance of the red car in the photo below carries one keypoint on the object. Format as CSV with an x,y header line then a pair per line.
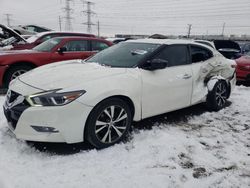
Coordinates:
x,y
243,68
14,63
41,37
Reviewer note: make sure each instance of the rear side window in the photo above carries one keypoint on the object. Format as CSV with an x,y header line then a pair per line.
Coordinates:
x,y
98,46
76,45
199,54
175,55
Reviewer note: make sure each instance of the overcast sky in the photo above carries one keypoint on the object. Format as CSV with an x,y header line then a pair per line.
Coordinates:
x,y
136,16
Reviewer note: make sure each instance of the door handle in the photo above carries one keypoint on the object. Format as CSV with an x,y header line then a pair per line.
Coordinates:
x,y
187,76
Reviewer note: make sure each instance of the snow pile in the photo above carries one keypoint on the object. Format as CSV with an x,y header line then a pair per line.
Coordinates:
x,y
207,150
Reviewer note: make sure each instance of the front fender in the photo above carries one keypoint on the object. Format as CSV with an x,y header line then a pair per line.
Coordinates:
x,y
127,85
93,101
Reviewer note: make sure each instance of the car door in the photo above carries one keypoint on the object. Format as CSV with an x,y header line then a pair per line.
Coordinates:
x,y
74,49
170,88
201,59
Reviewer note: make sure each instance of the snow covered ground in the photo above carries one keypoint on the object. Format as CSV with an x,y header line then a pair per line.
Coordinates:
x,y
211,149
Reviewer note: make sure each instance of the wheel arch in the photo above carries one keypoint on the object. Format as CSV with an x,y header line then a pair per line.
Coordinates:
x,y
211,81
16,64
210,85
126,99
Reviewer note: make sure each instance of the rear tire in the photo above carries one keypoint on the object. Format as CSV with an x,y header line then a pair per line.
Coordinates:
x,y
14,72
108,123
216,99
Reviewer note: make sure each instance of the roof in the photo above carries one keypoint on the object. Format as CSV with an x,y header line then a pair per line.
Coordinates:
x,y
55,32
170,41
81,37
164,41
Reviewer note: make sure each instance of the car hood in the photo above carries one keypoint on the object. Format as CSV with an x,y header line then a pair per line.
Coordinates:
x,y
67,74
12,33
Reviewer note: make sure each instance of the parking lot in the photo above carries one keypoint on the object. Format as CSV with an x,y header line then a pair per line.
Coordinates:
x,y
125,94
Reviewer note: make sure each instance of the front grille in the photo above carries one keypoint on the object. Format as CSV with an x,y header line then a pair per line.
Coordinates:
x,y
13,113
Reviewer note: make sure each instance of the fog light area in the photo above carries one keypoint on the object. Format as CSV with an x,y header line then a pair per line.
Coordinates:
x,y
44,129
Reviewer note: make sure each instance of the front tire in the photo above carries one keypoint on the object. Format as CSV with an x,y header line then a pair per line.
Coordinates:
x,y
108,123
216,99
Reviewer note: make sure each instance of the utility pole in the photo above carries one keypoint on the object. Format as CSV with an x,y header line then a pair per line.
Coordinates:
x,y
98,28
89,13
189,30
68,18
8,19
223,29
60,23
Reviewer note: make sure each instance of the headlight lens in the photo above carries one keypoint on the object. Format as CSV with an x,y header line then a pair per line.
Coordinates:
x,y
52,98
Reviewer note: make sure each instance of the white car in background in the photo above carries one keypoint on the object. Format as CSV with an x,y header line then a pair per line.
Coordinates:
x,y
97,99
30,29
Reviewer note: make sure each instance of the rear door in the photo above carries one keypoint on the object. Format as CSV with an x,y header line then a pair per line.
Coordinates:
x,y
167,89
201,59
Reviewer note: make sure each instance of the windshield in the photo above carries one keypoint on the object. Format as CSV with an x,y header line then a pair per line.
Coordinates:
x,y
126,54
33,38
48,45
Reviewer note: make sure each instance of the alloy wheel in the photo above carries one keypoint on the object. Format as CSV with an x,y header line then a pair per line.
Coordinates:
x,y
17,73
221,94
111,124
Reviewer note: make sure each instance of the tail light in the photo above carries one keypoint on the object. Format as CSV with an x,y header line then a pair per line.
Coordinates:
x,y
244,67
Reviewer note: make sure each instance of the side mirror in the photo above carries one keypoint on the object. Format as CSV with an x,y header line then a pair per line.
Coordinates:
x,y
155,64
61,50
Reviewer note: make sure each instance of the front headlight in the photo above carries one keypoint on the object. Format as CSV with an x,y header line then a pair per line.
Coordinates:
x,y
52,98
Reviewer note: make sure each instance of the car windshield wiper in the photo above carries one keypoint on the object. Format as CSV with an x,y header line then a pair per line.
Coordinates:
x,y
101,64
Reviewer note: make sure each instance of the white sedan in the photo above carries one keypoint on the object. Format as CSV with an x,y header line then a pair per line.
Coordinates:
x,y
97,99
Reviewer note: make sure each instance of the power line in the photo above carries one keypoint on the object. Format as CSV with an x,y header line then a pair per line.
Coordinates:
x,y
223,29
189,30
89,13
68,18
60,23
98,28
8,19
